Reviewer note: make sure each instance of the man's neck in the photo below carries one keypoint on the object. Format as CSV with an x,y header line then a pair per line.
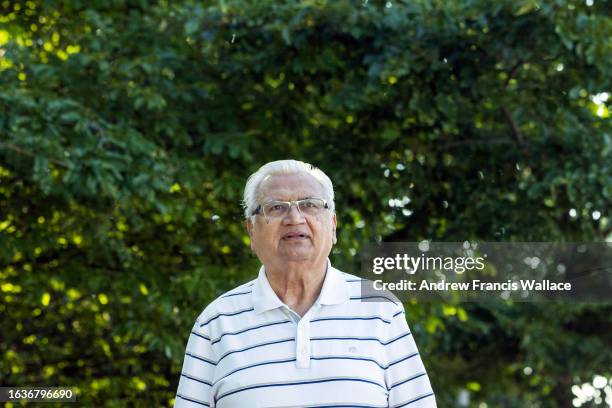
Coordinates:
x,y
298,286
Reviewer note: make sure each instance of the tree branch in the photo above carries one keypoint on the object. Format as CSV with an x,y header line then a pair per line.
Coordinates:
x,y
516,133
19,150
513,71
493,140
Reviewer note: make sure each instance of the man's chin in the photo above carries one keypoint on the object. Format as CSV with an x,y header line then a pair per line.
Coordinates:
x,y
297,256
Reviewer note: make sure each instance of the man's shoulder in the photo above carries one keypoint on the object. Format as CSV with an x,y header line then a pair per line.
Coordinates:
x,y
380,302
347,276
235,301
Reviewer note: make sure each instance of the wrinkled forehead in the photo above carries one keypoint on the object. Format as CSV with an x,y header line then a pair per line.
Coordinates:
x,y
293,186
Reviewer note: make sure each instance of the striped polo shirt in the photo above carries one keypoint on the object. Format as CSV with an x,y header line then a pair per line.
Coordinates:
x,y
248,349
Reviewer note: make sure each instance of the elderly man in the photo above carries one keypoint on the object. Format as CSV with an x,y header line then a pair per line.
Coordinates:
x,y
299,335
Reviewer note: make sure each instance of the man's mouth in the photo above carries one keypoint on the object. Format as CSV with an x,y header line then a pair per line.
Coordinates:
x,y
295,236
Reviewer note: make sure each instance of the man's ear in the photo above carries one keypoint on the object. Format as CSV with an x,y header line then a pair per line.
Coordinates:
x,y
334,223
250,227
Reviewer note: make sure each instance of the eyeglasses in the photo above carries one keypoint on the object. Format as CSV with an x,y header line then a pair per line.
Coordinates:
x,y
275,209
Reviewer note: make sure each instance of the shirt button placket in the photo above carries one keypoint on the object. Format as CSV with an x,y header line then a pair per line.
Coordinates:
x,y
302,350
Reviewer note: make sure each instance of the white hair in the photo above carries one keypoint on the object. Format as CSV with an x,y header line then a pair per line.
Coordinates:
x,y
251,188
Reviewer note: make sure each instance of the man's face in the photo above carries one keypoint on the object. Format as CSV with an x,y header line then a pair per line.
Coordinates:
x,y
295,237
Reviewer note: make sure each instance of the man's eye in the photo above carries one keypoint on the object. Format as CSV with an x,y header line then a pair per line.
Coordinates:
x,y
277,207
309,204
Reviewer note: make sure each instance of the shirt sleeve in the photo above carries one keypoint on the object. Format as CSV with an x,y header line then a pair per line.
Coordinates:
x,y
194,389
405,375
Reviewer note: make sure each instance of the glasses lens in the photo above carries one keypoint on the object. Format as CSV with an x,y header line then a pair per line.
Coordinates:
x,y
311,206
275,209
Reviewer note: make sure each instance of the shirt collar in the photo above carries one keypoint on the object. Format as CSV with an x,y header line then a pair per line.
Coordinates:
x,y
334,291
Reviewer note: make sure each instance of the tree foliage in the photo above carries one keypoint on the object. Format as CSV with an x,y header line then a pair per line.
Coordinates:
x,y
128,128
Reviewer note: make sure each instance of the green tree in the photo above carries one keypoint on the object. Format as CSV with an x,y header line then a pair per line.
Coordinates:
x,y
128,128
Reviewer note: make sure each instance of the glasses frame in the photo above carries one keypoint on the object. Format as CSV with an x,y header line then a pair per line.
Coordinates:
x,y
259,209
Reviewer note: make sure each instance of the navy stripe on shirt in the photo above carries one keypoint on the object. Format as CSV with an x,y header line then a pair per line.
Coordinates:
x,y
200,358
351,318
254,346
404,404
237,294
342,405
226,314
288,360
201,335
348,358
193,400
248,329
373,297
403,359
196,379
251,387
414,377
362,339
292,359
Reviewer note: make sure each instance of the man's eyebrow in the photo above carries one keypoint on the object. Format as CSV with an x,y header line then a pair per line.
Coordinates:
x,y
300,198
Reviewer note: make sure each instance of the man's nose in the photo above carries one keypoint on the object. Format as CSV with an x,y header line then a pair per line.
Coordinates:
x,y
294,215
